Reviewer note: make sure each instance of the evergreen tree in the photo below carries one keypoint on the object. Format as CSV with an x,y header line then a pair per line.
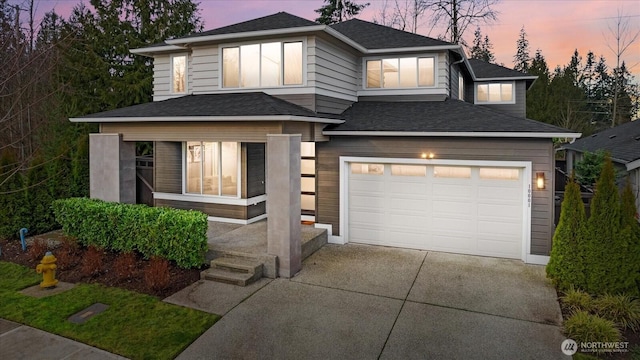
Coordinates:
x,y
566,264
602,241
522,59
336,11
538,100
481,48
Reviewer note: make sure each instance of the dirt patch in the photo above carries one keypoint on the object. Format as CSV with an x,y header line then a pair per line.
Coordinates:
x,y
72,258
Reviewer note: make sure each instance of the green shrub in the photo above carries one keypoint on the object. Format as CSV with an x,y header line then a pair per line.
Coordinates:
x,y
178,235
566,264
621,309
575,300
584,327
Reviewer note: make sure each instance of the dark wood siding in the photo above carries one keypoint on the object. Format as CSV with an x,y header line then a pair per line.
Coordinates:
x,y
255,170
219,210
539,152
518,109
168,167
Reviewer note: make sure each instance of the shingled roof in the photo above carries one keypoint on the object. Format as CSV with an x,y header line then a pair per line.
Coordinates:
x,y
281,20
237,104
449,116
375,36
622,142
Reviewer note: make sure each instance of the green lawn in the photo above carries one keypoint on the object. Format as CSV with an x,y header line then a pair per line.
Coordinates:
x,y
136,326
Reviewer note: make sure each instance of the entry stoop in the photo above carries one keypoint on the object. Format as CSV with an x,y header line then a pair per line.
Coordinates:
x,y
234,271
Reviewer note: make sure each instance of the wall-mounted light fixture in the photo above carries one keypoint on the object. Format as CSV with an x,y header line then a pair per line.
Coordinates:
x,y
540,180
427,155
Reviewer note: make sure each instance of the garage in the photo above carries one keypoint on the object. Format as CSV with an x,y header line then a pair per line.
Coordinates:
x,y
477,208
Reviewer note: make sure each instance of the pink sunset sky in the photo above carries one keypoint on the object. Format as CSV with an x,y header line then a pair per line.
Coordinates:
x,y
555,27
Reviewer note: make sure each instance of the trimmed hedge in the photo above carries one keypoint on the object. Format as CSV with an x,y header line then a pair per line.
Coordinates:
x,y
178,235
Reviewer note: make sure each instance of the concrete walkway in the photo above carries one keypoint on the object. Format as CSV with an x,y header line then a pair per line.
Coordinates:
x,y
368,302
23,342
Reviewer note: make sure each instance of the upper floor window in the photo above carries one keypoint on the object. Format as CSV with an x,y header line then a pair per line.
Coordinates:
x,y
262,65
495,93
460,87
179,74
407,72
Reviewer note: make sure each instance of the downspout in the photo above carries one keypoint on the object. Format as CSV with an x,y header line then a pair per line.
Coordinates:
x,y
450,67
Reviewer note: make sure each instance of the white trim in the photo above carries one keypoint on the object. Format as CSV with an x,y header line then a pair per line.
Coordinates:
x,y
414,49
526,167
148,51
210,199
402,91
493,134
503,79
208,118
307,218
186,73
488,84
240,35
331,239
633,165
537,259
237,221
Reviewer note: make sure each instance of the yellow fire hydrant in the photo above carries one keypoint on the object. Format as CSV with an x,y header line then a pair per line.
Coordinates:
x,y
47,268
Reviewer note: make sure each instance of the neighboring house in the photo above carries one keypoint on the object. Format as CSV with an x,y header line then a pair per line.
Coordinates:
x,y
622,143
382,136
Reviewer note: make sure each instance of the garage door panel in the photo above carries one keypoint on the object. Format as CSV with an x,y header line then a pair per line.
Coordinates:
x,y
468,214
452,191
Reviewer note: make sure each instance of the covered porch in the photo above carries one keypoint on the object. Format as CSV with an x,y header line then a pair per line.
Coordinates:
x,y
251,242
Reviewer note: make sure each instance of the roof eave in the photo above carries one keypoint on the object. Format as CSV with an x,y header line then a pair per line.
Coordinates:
x,y
205,118
635,164
415,49
240,35
455,134
508,78
150,51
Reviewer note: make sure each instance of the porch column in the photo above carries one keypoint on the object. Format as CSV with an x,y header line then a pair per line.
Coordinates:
x,y
283,202
112,168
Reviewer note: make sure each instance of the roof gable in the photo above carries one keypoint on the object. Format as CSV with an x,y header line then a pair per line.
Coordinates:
x,y
375,36
281,20
486,70
622,142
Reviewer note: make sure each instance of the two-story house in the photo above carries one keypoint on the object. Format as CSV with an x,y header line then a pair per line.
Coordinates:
x,y
381,136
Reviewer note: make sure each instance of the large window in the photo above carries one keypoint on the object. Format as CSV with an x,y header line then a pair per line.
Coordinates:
x,y
262,65
408,72
212,168
495,93
179,74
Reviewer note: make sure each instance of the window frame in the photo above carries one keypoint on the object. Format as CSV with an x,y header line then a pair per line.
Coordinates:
x,y
221,48
186,73
185,151
460,86
488,83
365,71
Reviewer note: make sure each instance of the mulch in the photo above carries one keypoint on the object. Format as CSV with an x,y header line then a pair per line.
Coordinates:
x,y
72,270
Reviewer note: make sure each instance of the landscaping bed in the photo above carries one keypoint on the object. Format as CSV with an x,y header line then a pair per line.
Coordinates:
x,y
108,270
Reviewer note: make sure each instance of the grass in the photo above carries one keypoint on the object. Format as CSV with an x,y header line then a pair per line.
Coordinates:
x,y
136,326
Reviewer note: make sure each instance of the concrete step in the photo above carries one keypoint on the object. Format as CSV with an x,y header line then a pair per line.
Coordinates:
x,y
235,264
233,270
229,277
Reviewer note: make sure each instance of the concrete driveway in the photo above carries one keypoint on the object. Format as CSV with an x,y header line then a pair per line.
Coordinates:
x,y
369,302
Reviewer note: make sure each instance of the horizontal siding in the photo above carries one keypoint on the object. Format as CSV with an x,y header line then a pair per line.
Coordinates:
x,y
539,152
194,131
161,77
205,69
331,105
305,100
518,109
168,167
330,67
442,71
296,127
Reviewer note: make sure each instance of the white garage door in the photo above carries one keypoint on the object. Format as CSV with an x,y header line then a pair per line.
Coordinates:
x,y
462,209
